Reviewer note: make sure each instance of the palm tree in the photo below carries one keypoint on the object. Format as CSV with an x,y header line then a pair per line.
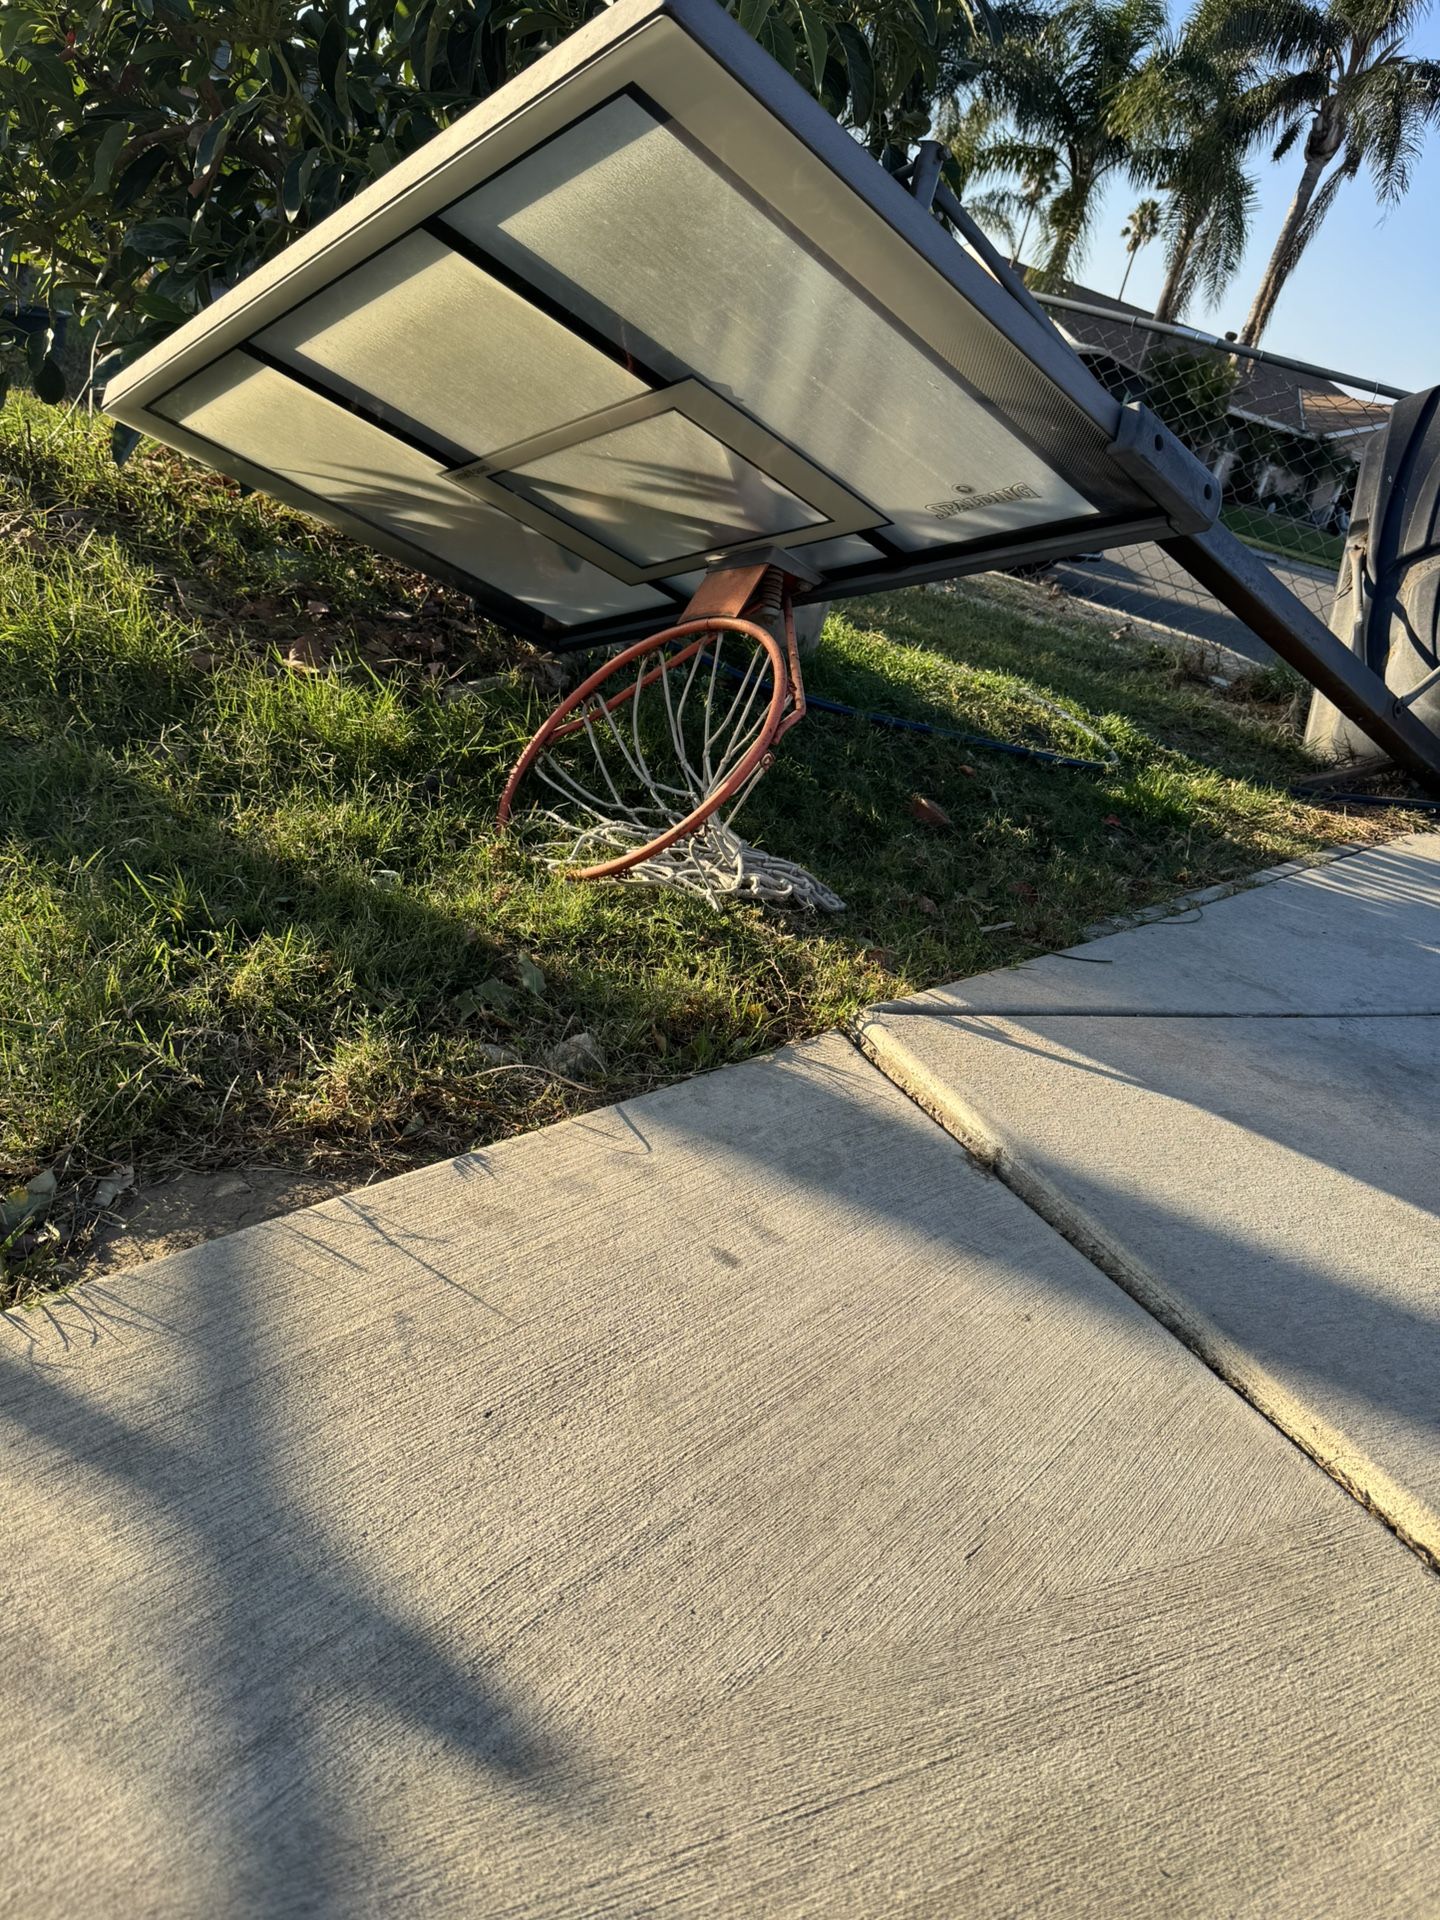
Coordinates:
x,y
1195,106
1037,183
1062,80
1342,80
1210,199
1138,231
1011,211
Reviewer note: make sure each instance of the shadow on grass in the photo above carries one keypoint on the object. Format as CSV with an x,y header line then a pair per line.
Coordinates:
x,y
977,626
154,1026
163,905
1035,854
159,875
203,530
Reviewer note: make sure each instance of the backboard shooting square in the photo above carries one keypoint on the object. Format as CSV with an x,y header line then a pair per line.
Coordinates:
x,y
661,490
696,314
653,486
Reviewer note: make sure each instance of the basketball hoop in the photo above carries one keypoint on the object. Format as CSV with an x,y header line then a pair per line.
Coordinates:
x,y
649,760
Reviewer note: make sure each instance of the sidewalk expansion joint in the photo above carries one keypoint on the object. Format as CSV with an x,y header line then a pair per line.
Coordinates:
x,y
1196,1332
899,1009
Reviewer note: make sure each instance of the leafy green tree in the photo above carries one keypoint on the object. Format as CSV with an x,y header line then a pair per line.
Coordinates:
x,y
1344,88
152,152
1191,393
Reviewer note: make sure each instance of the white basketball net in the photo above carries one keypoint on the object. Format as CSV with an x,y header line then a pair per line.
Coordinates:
x,y
637,763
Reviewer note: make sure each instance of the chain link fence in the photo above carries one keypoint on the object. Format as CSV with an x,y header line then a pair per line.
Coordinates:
x,y
1283,438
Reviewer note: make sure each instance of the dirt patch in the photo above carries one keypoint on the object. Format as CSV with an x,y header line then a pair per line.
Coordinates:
x,y
191,1208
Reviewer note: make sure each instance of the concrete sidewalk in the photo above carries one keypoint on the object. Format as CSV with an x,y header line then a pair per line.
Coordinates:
x,y
1235,1113
730,1503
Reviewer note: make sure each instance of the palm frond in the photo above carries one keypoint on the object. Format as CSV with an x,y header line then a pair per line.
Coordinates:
x,y
1274,103
964,131
1285,32
1068,222
1220,244
1377,23
1002,210
1010,154
1388,110
1287,139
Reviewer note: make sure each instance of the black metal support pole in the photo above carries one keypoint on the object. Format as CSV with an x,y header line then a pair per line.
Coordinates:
x,y
925,176
984,248
1241,580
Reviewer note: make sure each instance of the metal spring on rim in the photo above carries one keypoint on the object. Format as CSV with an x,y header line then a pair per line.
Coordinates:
x,y
768,600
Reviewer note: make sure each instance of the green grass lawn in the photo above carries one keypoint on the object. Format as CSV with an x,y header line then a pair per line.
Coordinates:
x,y
1293,539
249,911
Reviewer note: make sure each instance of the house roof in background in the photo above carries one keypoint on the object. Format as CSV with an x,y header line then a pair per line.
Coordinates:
x,y
1343,413
1293,402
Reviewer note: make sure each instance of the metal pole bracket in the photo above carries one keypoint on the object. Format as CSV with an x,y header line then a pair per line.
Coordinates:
x,y
1185,491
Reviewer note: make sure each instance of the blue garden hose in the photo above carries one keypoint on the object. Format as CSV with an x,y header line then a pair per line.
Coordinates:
x,y
897,723
901,725
1365,800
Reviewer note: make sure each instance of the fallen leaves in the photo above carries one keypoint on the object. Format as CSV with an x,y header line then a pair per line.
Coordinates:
x,y
27,1203
531,978
490,998
309,653
929,812
494,1055
110,1186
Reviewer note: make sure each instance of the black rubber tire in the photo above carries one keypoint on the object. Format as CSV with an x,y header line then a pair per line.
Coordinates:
x,y
1396,519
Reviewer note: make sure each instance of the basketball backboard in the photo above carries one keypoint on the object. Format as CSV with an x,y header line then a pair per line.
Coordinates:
x,y
645,304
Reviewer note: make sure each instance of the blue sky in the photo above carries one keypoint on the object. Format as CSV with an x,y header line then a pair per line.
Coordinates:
x,y
1366,297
